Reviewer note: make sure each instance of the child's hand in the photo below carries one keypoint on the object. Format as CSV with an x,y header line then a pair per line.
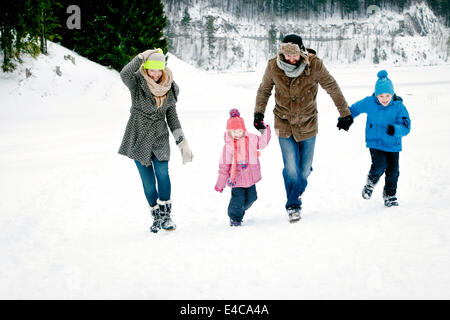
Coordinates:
x,y
218,189
390,130
262,129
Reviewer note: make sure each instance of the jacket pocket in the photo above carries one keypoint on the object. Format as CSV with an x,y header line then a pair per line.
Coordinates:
x,y
371,132
308,123
392,141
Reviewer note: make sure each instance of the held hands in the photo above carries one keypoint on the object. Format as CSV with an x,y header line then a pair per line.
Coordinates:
x,y
186,152
345,122
390,130
218,189
258,122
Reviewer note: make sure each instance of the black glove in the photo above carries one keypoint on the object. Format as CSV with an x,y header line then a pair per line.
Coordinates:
x,y
258,122
345,122
390,130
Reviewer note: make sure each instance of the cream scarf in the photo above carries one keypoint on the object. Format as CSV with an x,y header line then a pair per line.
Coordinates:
x,y
290,70
159,90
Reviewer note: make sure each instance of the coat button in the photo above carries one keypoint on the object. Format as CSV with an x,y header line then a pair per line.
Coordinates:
x,y
294,98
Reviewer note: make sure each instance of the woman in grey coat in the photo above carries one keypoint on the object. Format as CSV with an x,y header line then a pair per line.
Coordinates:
x,y
146,139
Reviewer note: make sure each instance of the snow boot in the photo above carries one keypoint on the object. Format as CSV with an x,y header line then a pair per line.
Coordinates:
x,y
390,201
165,208
156,219
294,214
368,189
235,223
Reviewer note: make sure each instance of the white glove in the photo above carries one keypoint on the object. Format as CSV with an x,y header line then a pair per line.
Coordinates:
x,y
186,152
144,55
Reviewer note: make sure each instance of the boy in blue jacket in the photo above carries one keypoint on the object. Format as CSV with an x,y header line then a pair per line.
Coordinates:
x,y
387,122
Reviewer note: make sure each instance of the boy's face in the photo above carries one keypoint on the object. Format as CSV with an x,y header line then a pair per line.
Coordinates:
x,y
384,98
236,134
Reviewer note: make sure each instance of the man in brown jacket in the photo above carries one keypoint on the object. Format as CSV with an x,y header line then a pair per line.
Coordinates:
x,y
296,73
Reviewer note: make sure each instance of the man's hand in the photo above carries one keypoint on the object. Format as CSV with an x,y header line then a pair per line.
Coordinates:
x,y
258,122
345,122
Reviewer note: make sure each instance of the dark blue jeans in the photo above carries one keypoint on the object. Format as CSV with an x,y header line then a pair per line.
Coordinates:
x,y
297,159
158,172
387,163
241,200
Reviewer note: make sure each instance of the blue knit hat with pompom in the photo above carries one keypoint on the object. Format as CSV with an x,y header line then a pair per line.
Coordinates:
x,y
383,84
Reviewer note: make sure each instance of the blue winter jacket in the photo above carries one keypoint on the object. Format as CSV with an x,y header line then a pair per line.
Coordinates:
x,y
378,119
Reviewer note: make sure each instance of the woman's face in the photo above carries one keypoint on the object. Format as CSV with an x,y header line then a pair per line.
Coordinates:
x,y
384,98
154,74
236,134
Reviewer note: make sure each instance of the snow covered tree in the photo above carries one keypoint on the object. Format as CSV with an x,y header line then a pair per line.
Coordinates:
x,y
273,39
210,32
376,57
25,26
186,18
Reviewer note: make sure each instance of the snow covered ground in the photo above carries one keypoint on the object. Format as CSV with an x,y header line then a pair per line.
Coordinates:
x,y
74,221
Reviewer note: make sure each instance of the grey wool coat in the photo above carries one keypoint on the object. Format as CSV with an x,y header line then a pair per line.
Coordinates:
x,y
147,131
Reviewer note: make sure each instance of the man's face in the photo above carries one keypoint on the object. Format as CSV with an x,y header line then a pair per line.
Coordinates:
x,y
292,59
384,98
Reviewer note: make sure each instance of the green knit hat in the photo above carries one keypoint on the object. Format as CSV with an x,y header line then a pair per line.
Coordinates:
x,y
156,61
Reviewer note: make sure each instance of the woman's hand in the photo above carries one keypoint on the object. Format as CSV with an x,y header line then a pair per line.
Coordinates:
x,y
186,152
144,55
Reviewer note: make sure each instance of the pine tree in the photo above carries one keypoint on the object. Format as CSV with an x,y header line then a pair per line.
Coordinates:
x,y
349,6
186,18
112,32
376,58
47,22
210,32
356,53
273,40
19,28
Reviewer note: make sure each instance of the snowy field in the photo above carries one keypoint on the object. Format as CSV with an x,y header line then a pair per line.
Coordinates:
x,y
74,220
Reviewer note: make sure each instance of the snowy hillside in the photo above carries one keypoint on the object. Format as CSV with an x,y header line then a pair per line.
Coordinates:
x,y
215,39
74,220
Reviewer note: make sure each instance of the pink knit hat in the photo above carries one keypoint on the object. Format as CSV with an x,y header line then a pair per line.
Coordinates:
x,y
235,121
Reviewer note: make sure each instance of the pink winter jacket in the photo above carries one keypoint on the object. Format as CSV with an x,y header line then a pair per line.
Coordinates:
x,y
245,177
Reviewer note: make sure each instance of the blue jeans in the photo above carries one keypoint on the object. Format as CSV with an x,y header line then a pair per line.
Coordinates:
x,y
157,172
387,163
297,159
241,200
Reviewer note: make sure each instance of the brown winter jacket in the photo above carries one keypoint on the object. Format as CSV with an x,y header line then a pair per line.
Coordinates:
x,y
295,98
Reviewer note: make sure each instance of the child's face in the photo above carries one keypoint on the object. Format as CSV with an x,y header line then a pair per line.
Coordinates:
x,y
236,134
384,98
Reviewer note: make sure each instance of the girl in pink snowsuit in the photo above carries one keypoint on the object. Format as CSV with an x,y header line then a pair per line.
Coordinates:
x,y
239,166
